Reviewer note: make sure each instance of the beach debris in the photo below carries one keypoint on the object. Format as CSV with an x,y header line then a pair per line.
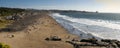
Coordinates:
x,y
10,36
53,38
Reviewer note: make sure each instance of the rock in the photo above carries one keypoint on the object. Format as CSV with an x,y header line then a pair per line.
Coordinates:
x,y
108,40
89,40
74,44
10,36
47,39
114,45
99,43
53,38
118,43
82,44
75,40
106,43
16,17
87,44
9,17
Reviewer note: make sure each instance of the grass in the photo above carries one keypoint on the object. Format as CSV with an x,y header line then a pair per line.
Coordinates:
x,y
4,23
4,45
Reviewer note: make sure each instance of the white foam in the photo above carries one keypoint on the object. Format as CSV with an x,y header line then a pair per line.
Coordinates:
x,y
90,22
111,34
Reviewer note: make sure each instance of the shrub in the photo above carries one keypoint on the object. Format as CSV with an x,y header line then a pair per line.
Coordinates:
x,y
4,45
4,11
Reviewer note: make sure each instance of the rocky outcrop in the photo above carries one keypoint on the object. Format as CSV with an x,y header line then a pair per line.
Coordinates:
x,y
53,38
93,40
103,43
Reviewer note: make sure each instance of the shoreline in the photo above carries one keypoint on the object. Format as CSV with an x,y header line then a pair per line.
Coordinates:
x,y
114,43
71,29
38,27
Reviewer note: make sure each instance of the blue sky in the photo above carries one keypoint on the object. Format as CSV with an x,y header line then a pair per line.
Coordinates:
x,y
88,5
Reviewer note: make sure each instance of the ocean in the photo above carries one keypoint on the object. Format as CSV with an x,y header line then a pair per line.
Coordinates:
x,y
88,25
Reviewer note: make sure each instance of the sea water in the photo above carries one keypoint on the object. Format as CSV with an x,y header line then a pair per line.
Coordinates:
x,y
88,25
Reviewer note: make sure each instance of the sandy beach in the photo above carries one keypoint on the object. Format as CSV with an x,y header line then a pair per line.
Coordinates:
x,y
36,29
33,33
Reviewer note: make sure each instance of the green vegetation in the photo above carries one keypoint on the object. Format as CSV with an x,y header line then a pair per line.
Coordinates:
x,y
9,11
4,12
4,45
4,23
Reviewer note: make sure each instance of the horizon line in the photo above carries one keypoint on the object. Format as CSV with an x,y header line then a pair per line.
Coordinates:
x,y
60,9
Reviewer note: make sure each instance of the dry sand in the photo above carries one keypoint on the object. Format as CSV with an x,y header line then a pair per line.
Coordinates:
x,y
33,36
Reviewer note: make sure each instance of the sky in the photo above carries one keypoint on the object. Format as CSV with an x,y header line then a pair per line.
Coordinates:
x,y
82,5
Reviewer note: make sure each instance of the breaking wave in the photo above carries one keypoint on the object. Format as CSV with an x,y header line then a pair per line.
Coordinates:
x,y
87,28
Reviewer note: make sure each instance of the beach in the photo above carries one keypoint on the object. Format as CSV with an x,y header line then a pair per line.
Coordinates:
x,y
34,33
59,24
41,29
